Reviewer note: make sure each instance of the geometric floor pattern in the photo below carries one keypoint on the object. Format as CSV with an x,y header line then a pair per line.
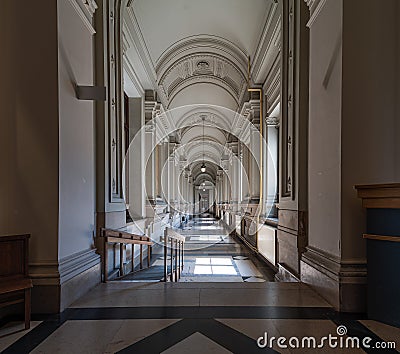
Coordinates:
x,y
209,330
200,314
133,323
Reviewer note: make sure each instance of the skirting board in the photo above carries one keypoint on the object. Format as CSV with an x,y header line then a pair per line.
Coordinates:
x,y
55,287
285,275
342,284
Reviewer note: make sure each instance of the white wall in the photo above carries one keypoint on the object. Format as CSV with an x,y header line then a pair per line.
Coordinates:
x,y
76,158
325,129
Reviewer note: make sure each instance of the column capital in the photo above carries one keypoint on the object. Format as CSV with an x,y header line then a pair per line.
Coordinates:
x,y
272,121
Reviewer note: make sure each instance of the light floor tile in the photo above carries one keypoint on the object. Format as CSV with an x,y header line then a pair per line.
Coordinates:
x,y
197,343
261,297
80,337
202,269
141,297
289,328
133,331
247,268
207,281
223,270
14,331
384,331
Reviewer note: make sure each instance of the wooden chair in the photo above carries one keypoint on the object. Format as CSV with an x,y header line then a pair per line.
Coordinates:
x,y
15,284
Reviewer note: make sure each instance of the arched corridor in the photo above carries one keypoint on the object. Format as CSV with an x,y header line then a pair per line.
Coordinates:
x,y
211,255
187,176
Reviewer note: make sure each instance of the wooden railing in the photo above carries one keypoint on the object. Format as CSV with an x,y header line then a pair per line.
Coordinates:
x,y
175,243
123,238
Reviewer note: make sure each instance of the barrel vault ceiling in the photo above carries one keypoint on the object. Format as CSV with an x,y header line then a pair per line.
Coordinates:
x,y
196,53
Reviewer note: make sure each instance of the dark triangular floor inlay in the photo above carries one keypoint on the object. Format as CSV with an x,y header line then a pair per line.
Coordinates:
x,y
217,332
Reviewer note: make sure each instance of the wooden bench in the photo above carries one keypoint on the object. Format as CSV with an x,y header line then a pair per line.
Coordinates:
x,y
124,238
15,284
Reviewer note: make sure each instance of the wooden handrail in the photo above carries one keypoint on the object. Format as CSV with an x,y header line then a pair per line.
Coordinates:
x,y
124,238
175,242
382,238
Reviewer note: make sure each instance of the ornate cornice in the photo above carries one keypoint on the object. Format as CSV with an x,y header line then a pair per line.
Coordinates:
x,y
201,43
269,45
137,39
90,5
315,7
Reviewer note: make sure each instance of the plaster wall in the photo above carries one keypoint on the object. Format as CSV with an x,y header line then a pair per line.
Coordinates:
x,y
325,129
76,134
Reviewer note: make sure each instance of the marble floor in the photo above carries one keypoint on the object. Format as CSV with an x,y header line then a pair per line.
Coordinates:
x,y
226,302
194,317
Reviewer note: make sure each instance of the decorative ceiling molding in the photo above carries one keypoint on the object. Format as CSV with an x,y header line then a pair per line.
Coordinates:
x,y
269,45
202,59
198,44
315,7
213,117
203,68
135,36
128,68
84,13
272,86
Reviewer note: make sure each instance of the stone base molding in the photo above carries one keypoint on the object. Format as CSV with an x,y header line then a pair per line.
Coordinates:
x,y
56,285
284,274
342,283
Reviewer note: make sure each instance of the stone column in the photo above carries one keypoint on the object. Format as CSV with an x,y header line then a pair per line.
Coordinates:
x,y
150,156
149,159
219,191
255,152
235,187
225,181
190,194
244,172
272,166
171,177
181,183
163,170
135,159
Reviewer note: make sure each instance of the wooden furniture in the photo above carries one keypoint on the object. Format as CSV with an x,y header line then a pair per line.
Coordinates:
x,y
15,284
173,242
382,202
124,238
